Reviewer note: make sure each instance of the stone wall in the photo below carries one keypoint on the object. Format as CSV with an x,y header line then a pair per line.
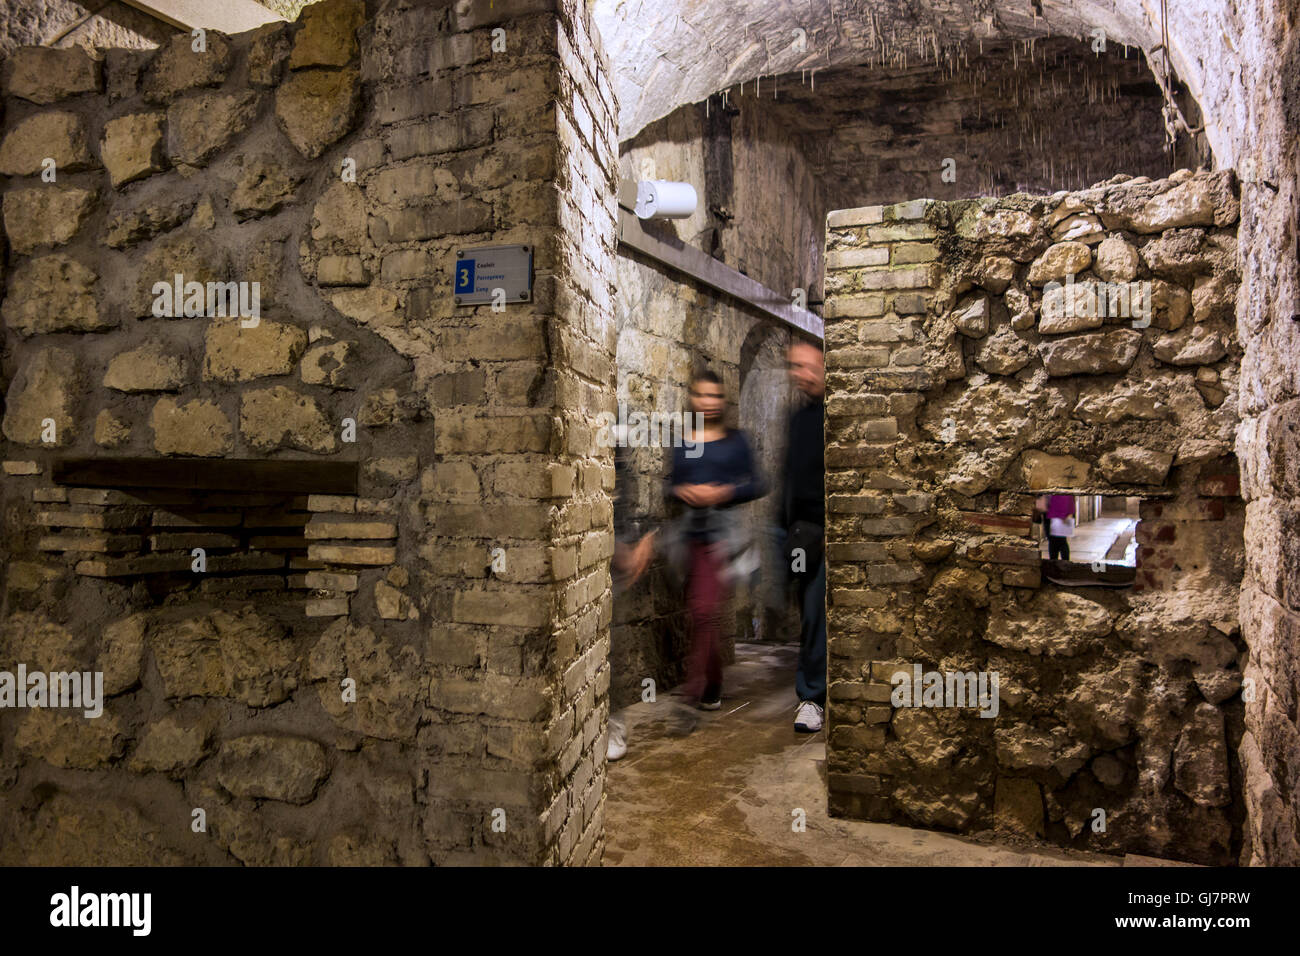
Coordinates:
x,y
959,386
1262,114
744,164
464,588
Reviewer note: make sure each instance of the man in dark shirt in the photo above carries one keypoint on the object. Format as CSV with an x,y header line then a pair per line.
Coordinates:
x,y
804,518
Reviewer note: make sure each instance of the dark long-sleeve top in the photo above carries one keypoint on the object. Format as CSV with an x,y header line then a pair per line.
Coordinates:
x,y
805,466
727,461
623,530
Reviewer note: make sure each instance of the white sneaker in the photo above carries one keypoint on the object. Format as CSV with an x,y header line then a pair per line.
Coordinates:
x,y
617,739
808,718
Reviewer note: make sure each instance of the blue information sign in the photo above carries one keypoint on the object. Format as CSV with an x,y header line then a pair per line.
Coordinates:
x,y
493,274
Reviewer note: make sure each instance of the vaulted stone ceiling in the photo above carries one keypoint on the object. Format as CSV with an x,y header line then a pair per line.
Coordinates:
x,y
1070,119
669,52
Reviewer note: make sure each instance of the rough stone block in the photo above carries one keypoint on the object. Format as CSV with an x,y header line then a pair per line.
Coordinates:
x,y
54,293
199,126
317,107
179,66
1005,554
57,136
351,554
1018,807
1105,353
1187,204
909,253
855,305
150,368
857,258
896,232
1022,577
133,147
319,528
865,216
911,277
845,597
328,34
196,428
855,406
277,417
45,75
42,400
233,353
1133,464
45,216
260,766
1060,260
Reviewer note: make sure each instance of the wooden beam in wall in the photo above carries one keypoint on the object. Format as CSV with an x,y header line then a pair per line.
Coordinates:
x,y
226,16
705,269
210,474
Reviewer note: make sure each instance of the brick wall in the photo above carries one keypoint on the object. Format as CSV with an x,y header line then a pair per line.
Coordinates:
x,y
582,355
959,387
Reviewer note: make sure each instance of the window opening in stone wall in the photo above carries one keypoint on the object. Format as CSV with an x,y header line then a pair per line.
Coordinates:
x,y
1088,540
183,530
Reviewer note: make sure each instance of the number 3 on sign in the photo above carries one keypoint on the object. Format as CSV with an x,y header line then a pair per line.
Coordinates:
x,y
464,277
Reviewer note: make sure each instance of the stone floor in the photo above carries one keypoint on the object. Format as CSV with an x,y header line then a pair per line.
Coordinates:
x,y
725,793
1095,540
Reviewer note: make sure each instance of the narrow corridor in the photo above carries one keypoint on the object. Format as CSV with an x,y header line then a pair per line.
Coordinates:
x,y
725,794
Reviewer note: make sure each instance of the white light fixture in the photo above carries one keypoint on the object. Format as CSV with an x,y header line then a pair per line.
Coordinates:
x,y
658,198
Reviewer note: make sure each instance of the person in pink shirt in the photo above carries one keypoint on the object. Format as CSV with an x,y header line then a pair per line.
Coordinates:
x,y
1060,525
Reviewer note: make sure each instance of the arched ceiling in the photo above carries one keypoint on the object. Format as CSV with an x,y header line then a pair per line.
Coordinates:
x,y
1070,120
666,53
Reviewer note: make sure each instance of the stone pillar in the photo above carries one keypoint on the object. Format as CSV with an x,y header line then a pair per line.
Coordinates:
x,y
880,272
1266,151
582,339
339,162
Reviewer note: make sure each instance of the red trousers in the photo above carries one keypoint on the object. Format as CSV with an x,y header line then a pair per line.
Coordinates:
x,y
706,596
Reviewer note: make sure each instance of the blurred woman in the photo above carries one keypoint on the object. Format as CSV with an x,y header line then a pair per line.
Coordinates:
x,y
711,542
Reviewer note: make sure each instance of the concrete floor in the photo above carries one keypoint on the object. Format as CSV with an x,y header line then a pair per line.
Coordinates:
x,y
1095,540
724,794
